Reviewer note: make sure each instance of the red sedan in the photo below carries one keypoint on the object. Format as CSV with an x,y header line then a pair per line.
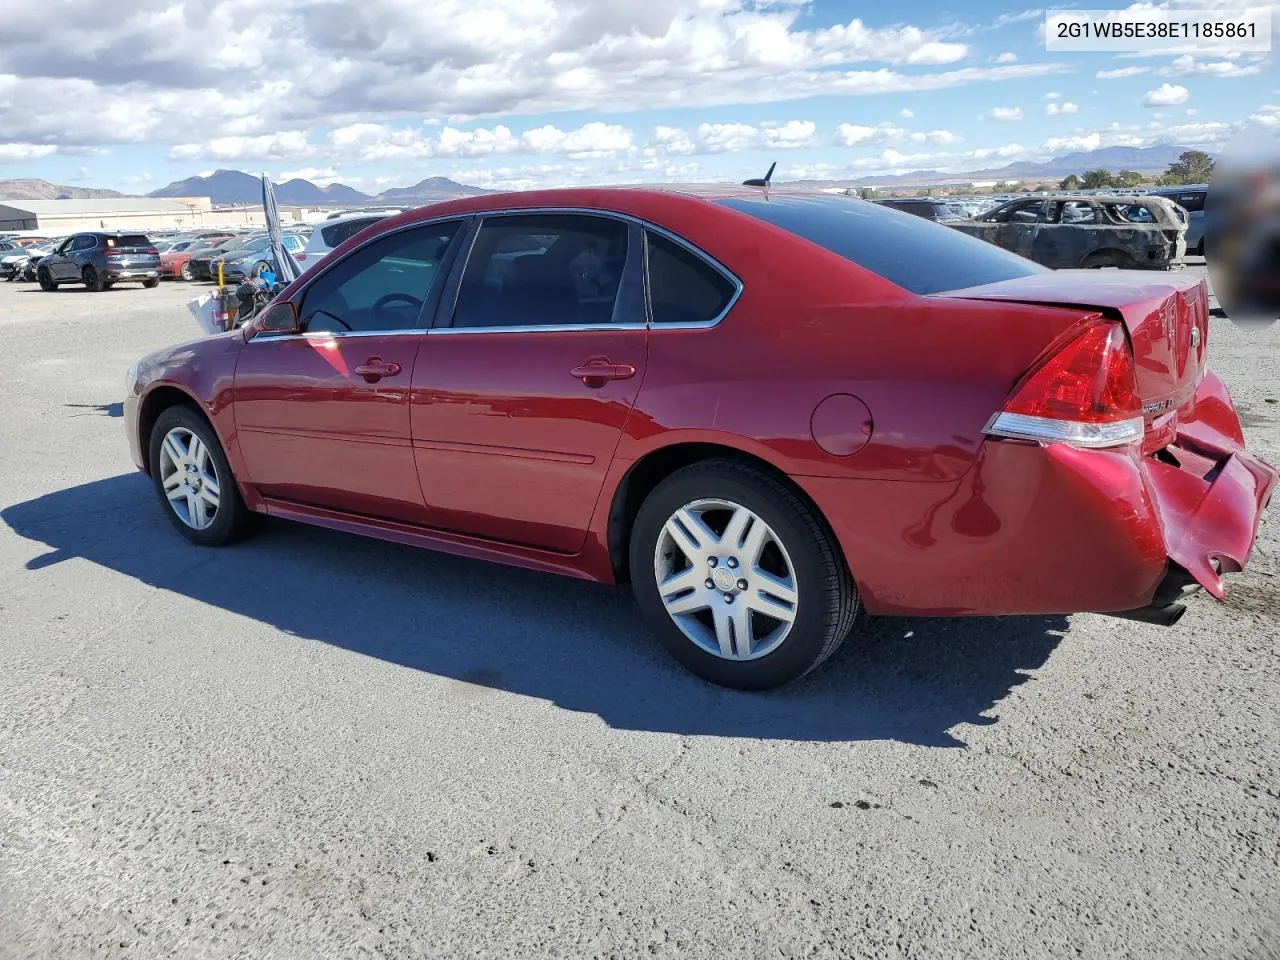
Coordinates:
x,y
175,263
761,409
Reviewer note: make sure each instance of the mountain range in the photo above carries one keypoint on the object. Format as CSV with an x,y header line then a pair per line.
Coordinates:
x,y
44,190
235,186
1145,160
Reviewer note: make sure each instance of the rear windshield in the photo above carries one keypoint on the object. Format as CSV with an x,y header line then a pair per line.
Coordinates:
x,y
916,254
129,240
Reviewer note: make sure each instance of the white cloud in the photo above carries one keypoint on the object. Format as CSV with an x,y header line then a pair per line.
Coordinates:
x,y
1192,111
1003,114
1052,96
255,74
856,135
1060,109
906,114
1267,116
137,179
287,145
1187,65
1121,73
1166,95
1007,18
21,152
1006,57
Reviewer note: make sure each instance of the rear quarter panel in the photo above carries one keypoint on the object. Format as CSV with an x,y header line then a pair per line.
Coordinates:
x,y
810,324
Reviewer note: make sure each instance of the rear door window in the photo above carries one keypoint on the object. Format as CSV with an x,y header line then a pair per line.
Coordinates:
x,y
916,254
537,270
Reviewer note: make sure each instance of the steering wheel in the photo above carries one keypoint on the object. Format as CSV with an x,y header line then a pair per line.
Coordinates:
x,y
393,297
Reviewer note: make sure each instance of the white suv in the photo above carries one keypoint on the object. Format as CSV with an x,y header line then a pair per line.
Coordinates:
x,y
330,233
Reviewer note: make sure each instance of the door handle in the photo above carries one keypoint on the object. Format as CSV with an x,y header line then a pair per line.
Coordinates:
x,y
375,368
598,370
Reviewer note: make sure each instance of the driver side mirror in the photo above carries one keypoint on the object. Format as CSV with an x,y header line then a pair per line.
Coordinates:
x,y
280,317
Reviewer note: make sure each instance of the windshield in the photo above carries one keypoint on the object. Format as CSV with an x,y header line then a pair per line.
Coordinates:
x,y
916,254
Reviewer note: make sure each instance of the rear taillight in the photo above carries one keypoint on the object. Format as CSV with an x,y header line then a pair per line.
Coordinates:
x,y
1085,394
151,252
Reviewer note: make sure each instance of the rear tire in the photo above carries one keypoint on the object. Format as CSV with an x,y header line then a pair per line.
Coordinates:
x,y
151,283
799,559
227,521
46,281
92,282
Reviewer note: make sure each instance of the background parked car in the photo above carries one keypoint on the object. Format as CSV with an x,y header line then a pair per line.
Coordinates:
x,y
99,260
927,208
201,258
334,231
1066,230
239,264
25,270
175,261
1191,199
12,259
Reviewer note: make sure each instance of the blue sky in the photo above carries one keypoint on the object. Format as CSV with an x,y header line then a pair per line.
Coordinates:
x,y
524,93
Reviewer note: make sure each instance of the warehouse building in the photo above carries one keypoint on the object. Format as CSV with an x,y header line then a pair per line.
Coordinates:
x,y
61,217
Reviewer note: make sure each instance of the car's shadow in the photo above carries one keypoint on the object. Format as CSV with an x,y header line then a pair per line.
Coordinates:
x,y
578,645
105,409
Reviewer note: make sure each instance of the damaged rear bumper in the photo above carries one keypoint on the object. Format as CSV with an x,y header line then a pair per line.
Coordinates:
x,y
1053,529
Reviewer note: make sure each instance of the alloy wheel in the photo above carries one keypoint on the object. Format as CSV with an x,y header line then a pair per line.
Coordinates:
x,y
189,478
726,580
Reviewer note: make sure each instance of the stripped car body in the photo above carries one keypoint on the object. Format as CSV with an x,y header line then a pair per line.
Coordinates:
x,y
1069,230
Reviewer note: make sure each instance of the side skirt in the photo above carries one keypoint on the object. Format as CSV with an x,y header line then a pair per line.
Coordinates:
x,y
526,558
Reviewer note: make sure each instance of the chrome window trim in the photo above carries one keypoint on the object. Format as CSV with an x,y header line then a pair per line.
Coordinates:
x,y
481,216
582,328
539,328
336,335
705,258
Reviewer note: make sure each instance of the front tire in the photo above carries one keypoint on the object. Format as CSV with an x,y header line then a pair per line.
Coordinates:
x,y
185,272
739,577
193,479
46,281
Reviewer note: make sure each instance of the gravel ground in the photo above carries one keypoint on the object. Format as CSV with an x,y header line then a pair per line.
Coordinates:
x,y
314,745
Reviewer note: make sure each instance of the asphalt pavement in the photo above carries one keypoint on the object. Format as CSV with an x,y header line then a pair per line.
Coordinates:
x,y
313,745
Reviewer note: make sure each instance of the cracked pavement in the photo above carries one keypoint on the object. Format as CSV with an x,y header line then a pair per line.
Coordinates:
x,y
313,745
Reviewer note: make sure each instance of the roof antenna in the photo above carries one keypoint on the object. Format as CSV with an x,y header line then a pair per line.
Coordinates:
x,y
763,181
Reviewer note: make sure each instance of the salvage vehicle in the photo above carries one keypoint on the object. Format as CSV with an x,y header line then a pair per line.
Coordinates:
x,y
100,260
13,260
1069,230
764,410
929,209
1191,198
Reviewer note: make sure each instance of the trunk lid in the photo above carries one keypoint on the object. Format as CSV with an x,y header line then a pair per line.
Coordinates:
x,y
1166,316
